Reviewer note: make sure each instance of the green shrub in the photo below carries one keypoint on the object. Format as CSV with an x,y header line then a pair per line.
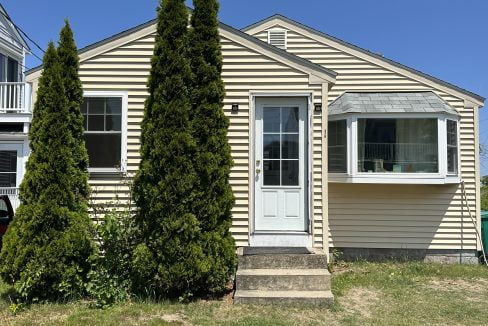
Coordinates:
x,y
214,198
111,274
48,247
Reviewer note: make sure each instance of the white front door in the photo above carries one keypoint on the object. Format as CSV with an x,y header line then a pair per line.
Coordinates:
x,y
281,167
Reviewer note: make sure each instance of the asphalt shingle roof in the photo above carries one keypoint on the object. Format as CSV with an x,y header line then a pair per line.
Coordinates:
x,y
402,102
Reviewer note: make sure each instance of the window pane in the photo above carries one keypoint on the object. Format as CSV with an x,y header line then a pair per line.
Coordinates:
x,y
271,146
104,150
113,123
397,145
114,105
84,106
85,122
271,173
96,105
271,119
8,161
3,75
12,70
96,123
8,180
451,133
289,118
452,147
289,173
337,145
289,146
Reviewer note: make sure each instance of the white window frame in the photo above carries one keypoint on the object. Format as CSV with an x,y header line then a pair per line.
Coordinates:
x,y
20,63
19,147
123,149
354,176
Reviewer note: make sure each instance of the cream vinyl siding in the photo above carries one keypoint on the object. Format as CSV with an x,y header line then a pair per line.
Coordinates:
x,y
392,216
126,68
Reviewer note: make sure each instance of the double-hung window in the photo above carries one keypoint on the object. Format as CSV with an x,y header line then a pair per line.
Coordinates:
x,y
104,131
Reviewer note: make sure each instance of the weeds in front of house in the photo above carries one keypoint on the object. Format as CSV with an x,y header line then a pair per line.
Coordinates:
x,y
409,293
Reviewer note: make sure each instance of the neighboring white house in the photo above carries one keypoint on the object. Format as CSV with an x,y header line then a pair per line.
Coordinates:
x,y
334,146
15,107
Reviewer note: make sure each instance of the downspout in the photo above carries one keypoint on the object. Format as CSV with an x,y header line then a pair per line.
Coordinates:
x,y
324,169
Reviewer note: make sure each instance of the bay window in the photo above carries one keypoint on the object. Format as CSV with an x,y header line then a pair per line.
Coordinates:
x,y
397,145
104,131
389,148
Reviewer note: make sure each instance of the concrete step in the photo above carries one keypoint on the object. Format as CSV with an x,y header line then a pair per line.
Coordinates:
x,y
283,261
283,279
309,298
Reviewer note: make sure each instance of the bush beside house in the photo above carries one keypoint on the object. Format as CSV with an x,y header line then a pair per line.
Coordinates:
x,y
179,245
182,188
48,246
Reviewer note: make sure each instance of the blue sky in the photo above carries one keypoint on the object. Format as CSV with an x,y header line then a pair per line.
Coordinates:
x,y
445,38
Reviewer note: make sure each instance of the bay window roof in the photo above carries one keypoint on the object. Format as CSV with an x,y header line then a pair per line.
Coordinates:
x,y
395,102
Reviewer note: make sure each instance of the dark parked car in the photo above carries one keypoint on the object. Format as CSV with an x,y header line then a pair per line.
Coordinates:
x,y
6,215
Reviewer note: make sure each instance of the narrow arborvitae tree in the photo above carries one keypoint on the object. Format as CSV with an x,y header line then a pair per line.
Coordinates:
x,y
70,63
169,261
47,247
214,198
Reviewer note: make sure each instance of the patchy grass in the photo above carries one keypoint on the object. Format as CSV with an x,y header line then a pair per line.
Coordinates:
x,y
366,294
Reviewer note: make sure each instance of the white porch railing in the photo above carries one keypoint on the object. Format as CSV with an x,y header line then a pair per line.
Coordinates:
x,y
13,195
15,97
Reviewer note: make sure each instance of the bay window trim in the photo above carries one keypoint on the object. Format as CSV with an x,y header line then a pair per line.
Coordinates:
x,y
440,177
123,130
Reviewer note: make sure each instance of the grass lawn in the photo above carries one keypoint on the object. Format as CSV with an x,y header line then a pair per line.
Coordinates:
x,y
366,294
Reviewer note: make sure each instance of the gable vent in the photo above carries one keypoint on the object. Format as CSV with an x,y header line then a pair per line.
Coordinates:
x,y
277,37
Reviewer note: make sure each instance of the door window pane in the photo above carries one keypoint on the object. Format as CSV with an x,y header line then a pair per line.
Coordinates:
x,y
271,120
271,173
289,117
397,145
337,146
290,146
281,146
289,176
271,146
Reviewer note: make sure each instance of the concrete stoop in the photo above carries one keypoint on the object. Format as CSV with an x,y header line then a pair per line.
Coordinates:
x,y
289,279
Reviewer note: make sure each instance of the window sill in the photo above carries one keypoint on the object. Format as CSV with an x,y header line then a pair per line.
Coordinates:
x,y
391,178
105,172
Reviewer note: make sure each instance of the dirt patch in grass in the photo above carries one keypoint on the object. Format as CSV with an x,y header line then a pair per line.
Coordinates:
x,y
475,286
361,300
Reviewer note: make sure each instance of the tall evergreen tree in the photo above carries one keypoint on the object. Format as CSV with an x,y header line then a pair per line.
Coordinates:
x,y
47,246
214,198
169,262
70,62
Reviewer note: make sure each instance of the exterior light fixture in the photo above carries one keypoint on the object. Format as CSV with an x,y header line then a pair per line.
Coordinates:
x,y
235,107
318,107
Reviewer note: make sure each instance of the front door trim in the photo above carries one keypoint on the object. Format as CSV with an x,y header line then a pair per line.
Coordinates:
x,y
257,238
